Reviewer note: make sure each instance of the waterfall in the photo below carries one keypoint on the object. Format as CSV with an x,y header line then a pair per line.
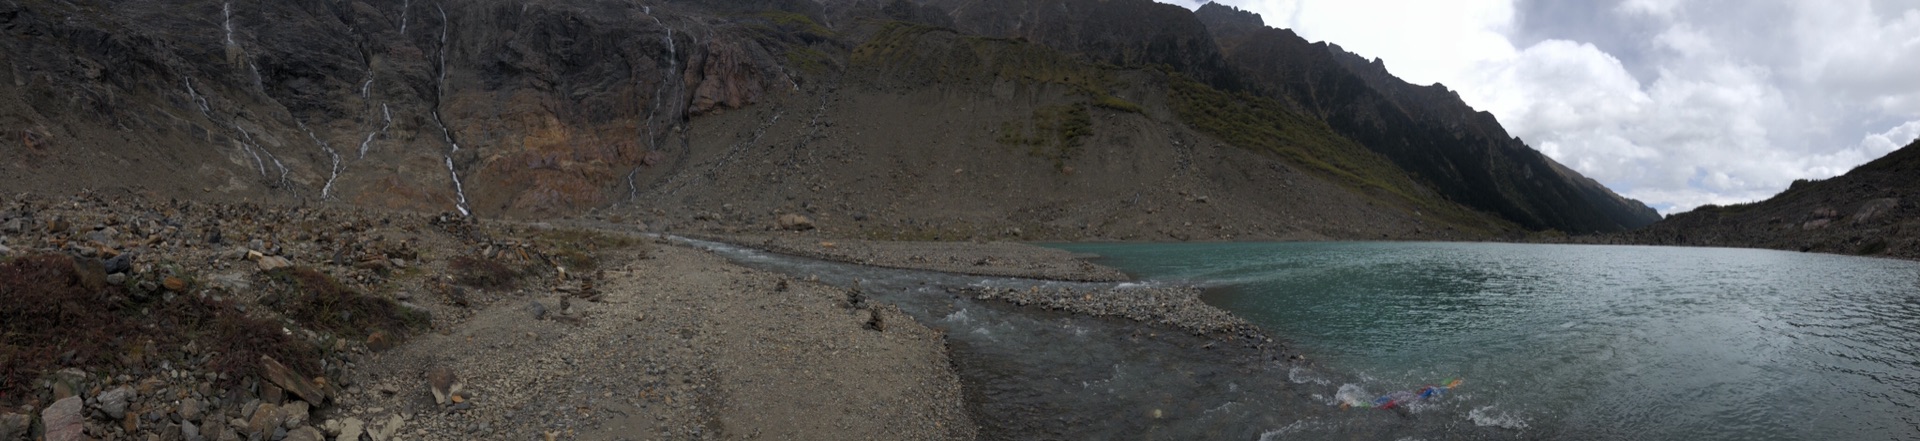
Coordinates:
x,y
404,6
457,189
226,21
197,99
387,122
327,190
444,25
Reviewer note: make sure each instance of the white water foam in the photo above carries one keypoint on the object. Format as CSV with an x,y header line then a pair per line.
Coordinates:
x,y
1352,395
959,316
1485,416
1302,375
1295,427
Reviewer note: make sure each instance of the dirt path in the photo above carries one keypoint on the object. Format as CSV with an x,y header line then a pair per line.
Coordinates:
x,y
684,345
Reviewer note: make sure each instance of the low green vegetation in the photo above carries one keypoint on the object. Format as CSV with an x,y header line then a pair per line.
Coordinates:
x,y
580,250
1056,133
1254,122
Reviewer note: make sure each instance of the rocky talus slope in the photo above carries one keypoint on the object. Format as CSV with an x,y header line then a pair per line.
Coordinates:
x,y
1873,210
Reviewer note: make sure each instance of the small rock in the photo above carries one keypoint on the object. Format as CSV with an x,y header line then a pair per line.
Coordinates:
x,y
351,428
190,432
14,426
270,263
13,226
105,235
442,383
264,419
119,264
539,310
293,415
284,377
113,403
794,222
62,420
379,341
189,410
175,284
116,279
5,251
305,433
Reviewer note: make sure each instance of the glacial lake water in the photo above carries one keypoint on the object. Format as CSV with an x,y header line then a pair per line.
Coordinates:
x,y
1573,341
1550,342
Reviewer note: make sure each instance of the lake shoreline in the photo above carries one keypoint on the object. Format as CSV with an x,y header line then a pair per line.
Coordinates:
x,y
1169,306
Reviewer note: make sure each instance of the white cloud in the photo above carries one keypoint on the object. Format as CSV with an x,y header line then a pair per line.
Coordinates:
x,y
1732,104
1880,144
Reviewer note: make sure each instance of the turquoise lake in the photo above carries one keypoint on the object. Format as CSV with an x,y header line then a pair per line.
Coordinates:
x,y
1575,341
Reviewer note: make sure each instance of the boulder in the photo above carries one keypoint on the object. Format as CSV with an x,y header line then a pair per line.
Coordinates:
x,y
113,403
794,222
63,420
270,263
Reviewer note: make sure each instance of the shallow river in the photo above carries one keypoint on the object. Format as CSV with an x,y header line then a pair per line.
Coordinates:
x,y
1548,341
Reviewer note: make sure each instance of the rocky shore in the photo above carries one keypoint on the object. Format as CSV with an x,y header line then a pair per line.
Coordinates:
x,y
997,259
128,318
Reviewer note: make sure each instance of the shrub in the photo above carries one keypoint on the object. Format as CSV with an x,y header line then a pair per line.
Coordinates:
x,y
320,302
50,320
484,273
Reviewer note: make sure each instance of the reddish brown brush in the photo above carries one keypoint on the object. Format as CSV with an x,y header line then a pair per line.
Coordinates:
x,y
325,304
50,320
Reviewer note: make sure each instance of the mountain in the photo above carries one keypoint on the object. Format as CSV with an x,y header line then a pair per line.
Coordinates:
x,y
938,119
1462,153
1872,210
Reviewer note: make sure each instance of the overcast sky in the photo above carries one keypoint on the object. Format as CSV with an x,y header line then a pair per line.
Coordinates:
x,y
1675,103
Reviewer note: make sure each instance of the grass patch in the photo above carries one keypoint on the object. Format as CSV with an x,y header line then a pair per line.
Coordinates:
x,y
1115,103
797,24
1055,132
484,273
1264,124
322,303
580,250
808,60
53,320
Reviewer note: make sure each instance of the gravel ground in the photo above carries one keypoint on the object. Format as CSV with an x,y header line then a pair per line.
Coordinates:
x,y
1001,259
683,345
1173,307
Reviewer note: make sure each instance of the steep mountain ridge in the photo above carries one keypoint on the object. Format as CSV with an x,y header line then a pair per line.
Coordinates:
x,y
1873,209
1427,130
954,119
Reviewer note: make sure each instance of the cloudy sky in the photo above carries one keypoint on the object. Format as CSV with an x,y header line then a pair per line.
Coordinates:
x,y
1675,103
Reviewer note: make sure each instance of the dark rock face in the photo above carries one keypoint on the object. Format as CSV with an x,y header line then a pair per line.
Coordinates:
x,y
1872,210
1463,154
494,107
1117,32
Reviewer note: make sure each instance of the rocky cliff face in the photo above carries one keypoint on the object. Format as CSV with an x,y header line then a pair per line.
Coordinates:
x,y
1872,210
496,106
882,118
1464,154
